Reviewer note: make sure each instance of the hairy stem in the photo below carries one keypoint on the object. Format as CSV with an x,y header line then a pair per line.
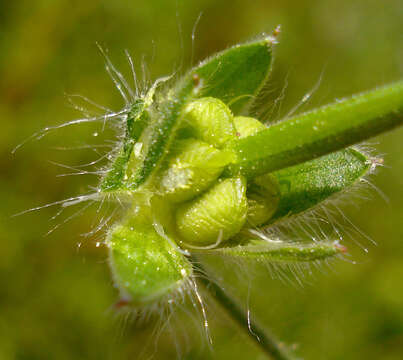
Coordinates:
x,y
320,131
262,338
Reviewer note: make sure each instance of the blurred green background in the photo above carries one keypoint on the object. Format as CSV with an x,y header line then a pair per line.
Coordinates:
x,y
56,294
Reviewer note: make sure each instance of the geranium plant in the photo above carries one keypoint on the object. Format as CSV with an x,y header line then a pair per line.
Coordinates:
x,y
199,174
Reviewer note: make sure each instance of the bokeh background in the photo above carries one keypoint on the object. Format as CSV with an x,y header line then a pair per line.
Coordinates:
x,y
56,295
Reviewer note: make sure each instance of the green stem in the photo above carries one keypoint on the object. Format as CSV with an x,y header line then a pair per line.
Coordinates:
x,y
319,132
262,338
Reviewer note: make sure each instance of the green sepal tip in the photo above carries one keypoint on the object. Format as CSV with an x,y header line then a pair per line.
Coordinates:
x,y
137,120
236,75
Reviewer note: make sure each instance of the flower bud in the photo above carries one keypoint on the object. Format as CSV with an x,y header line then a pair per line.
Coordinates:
x,y
216,215
246,126
263,198
192,170
210,120
263,192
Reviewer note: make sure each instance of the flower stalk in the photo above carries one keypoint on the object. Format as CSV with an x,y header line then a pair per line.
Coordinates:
x,y
320,131
261,337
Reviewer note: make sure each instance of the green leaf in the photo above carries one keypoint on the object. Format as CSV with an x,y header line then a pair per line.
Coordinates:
x,y
279,251
146,266
320,131
234,76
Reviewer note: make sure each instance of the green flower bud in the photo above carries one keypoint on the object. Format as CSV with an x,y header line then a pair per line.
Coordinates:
x,y
196,166
210,120
263,193
263,198
246,126
216,215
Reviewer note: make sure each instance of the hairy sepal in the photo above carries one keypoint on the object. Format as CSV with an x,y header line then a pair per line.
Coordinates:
x,y
307,185
282,252
137,119
235,76
147,266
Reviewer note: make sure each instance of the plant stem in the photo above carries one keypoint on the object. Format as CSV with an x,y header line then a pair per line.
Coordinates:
x,y
262,338
319,132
